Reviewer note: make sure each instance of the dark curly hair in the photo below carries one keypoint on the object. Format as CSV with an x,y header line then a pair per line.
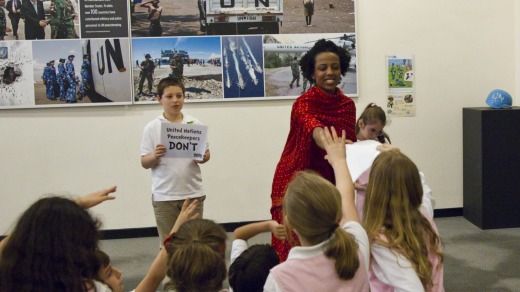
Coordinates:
x,y
308,61
52,248
250,270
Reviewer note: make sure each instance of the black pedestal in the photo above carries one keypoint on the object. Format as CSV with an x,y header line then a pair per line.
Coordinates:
x,y
491,162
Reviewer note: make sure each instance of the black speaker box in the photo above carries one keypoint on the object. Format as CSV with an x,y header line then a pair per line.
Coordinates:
x,y
491,165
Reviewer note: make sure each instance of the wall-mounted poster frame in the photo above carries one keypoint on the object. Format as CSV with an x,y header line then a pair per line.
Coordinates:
x,y
401,98
92,51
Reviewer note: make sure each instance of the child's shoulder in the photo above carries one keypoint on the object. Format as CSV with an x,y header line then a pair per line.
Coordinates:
x,y
156,120
190,120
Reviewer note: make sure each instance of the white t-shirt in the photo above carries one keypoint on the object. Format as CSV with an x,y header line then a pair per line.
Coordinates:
x,y
100,287
237,248
173,178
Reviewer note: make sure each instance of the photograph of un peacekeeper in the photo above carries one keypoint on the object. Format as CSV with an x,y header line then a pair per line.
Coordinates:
x,y
49,79
62,17
295,70
147,71
86,77
177,67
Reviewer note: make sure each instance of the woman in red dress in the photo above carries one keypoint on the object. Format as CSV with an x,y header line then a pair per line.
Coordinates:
x,y
323,105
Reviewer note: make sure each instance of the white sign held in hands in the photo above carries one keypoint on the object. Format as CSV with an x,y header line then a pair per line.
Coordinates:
x,y
183,140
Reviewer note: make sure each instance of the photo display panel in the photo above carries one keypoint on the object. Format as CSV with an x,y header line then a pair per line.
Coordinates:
x,y
68,53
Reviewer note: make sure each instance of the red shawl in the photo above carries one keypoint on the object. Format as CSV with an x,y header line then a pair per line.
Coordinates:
x,y
315,108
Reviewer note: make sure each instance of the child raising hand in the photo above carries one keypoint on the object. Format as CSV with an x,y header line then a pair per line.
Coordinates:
x,y
334,250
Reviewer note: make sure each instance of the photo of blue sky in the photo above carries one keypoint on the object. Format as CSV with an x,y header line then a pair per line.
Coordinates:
x,y
197,47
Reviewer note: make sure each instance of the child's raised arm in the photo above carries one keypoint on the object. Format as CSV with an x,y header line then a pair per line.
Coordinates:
x,y
247,231
157,271
336,156
96,198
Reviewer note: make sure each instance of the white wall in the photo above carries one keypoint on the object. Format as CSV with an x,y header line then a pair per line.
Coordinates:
x,y
463,49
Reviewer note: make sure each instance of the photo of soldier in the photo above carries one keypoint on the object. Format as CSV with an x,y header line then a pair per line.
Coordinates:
x,y
71,80
171,18
310,16
53,15
281,54
196,60
177,67
154,16
49,79
86,77
41,19
3,21
295,70
76,83
147,71
62,79
62,16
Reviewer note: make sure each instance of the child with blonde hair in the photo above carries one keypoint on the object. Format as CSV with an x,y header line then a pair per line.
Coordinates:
x,y
405,245
334,251
197,252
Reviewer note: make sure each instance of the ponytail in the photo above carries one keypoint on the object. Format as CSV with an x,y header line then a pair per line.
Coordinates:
x,y
313,207
343,249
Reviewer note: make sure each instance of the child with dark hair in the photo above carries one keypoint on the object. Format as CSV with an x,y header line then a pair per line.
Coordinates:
x,y
53,247
250,265
370,124
108,274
